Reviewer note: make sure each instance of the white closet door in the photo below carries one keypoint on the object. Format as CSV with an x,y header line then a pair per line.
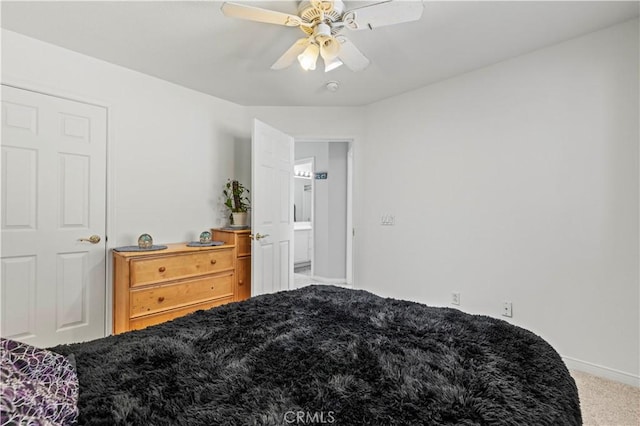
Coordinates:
x,y
53,195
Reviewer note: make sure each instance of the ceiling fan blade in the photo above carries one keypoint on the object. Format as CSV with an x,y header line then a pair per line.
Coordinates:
x,y
291,55
235,10
350,55
382,14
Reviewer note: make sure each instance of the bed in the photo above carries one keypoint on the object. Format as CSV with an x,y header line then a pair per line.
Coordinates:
x,y
317,355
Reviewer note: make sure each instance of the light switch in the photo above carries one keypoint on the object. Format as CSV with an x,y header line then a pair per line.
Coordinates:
x,y
387,220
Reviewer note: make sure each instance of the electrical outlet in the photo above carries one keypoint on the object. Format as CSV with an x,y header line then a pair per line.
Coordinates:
x,y
507,309
455,298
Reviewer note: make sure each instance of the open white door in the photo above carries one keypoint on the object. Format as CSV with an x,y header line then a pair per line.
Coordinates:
x,y
53,218
272,209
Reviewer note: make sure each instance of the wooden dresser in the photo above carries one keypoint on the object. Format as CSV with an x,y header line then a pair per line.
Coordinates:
x,y
157,286
241,240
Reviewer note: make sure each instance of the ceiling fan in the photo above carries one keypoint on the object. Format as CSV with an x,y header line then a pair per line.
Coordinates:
x,y
323,21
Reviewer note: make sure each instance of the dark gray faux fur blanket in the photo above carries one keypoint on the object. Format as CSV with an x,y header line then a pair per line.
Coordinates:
x,y
324,355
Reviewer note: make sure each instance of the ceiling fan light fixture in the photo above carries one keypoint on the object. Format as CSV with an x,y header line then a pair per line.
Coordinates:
x,y
329,48
308,58
332,64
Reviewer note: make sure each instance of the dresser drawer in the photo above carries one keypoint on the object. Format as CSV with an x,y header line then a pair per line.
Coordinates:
x,y
170,296
148,320
165,268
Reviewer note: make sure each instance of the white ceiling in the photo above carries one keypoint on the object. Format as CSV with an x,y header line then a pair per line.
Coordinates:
x,y
192,44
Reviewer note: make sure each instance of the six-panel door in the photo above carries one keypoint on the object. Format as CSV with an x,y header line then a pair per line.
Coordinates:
x,y
53,196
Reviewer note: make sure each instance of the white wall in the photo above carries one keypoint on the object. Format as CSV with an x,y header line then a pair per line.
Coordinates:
x,y
337,182
171,148
312,123
517,182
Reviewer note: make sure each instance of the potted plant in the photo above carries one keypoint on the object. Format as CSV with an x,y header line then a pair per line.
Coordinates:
x,y
236,201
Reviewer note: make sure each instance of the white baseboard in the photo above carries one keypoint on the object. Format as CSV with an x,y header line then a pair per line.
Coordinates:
x,y
601,371
341,282
304,280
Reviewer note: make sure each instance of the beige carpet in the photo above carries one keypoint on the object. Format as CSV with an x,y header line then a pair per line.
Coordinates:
x,y
607,403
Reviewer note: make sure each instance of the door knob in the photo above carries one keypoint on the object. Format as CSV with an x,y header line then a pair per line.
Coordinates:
x,y
94,239
258,236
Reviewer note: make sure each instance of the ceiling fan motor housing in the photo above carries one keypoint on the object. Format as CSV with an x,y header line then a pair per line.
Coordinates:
x,y
310,11
322,30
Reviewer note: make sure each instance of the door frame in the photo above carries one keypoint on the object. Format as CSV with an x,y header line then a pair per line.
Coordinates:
x,y
350,180
22,84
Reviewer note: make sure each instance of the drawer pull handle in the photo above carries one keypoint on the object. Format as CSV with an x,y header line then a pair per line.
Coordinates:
x,y
162,269
160,299
214,261
240,282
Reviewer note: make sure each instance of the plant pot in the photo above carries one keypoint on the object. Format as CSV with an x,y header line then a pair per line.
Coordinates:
x,y
240,219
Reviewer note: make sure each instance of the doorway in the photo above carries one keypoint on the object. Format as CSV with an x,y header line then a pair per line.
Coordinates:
x,y
322,212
